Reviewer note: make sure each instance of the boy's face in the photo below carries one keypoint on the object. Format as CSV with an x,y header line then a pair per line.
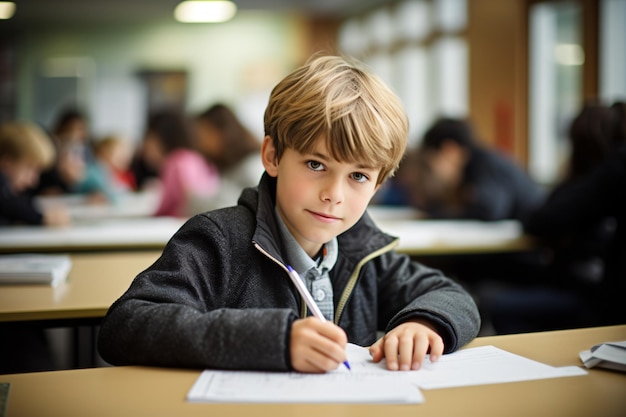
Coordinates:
x,y
21,174
318,197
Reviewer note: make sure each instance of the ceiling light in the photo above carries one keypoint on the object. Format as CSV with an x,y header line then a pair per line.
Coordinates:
x,y
205,11
7,9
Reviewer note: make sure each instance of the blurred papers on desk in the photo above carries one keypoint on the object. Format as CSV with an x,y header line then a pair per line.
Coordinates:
x,y
128,205
34,269
108,234
418,235
609,355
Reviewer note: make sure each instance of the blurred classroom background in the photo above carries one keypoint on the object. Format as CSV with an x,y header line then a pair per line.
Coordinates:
x,y
519,70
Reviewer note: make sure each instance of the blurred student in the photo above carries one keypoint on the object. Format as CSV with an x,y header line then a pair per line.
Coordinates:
x,y
145,175
108,175
584,222
184,174
234,150
115,154
25,150
452,176
70,136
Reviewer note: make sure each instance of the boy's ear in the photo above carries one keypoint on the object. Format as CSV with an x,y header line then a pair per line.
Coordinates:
x,y
268,156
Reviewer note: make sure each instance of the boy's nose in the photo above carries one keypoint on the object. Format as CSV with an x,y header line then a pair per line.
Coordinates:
x,y
332,191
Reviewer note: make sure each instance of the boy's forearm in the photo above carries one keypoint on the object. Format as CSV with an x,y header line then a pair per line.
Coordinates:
x,y
179,336
422,293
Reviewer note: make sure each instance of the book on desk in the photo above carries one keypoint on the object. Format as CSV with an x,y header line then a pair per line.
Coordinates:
x,y
34,269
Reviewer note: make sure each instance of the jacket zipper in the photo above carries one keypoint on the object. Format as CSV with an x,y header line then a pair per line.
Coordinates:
x,y
279,263
349,286
355,275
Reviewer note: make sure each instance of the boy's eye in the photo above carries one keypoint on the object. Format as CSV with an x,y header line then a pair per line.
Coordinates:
x,y
315,165
359,177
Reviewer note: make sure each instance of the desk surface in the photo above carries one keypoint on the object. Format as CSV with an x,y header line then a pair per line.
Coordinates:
x,y
94,283
137,391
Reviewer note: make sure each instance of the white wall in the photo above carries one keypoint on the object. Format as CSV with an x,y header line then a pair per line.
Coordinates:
x,y
237,62
613,50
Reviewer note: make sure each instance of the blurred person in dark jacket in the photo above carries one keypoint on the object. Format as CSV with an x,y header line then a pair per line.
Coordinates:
x,y
451,175
583,222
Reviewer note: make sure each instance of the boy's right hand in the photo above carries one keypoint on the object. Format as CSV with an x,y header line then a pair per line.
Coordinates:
x,y
317,346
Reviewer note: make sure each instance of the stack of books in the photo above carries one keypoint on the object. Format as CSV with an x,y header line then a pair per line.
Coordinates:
x,y
34,269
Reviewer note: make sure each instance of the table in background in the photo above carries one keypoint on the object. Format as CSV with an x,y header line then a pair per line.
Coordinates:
x,y
95,281
457,237
141,233
142,391
419,236
81,207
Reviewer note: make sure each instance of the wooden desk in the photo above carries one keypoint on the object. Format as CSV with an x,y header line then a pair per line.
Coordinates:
x,y
94,283
137,391
94,235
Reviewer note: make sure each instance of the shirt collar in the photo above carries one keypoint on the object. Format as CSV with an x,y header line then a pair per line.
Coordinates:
x,y
300,260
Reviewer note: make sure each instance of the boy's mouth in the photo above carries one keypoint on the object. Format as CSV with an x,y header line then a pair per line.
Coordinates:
x,y
324,217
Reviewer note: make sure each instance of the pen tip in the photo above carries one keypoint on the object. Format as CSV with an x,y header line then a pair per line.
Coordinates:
x,y
289,268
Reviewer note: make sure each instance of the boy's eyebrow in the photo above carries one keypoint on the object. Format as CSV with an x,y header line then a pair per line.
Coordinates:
x,y
327,158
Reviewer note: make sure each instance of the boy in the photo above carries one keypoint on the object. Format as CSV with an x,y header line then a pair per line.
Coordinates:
x,y
220,295
25,150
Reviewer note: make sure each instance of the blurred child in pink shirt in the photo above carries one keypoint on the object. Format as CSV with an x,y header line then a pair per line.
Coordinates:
x,y
183,172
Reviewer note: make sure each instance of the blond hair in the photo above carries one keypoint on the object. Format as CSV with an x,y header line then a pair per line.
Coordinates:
x,y
361,119
24,141
106,145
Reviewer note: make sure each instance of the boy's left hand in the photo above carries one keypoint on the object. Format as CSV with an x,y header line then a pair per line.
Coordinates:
x,y
405,346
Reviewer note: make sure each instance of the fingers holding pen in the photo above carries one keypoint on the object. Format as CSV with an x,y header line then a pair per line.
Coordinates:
x,y
317,346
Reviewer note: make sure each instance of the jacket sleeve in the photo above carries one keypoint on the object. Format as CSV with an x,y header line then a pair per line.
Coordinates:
x,y
409,290
175,313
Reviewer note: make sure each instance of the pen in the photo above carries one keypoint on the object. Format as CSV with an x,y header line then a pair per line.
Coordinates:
x,y
308,299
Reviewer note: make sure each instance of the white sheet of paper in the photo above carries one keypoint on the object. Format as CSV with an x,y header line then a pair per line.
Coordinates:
x,y
486,365
291,387
475,366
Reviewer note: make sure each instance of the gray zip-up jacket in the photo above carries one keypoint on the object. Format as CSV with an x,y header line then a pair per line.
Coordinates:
x,y
220,295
